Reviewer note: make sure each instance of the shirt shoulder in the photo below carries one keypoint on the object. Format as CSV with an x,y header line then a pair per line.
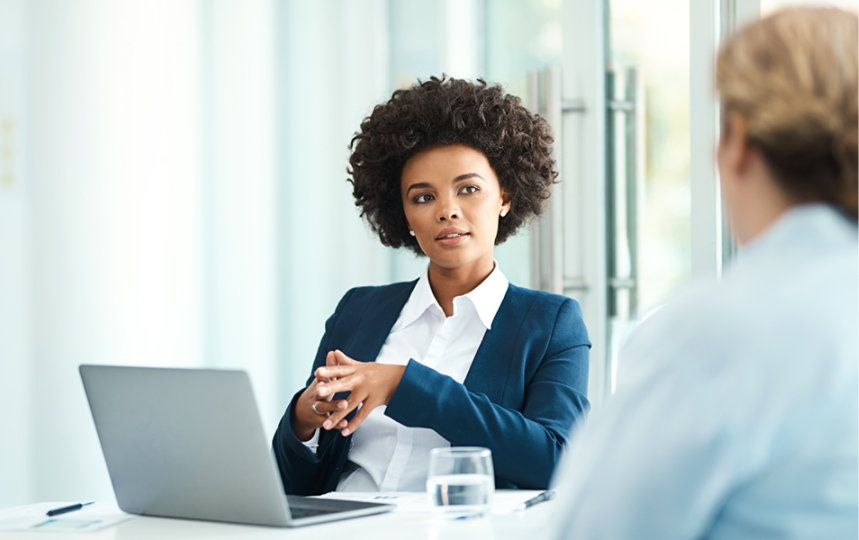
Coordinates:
x,y
772,336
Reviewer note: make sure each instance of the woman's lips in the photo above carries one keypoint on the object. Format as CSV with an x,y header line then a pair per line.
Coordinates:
x,y
452,238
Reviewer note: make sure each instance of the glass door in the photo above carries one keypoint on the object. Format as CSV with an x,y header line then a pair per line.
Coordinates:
x,y
642,218
648,189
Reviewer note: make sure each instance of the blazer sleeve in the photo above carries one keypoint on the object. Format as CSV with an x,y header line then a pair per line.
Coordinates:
x,y
527,441
302,471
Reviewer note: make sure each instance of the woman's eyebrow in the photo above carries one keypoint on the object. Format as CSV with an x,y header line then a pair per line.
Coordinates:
x,y
466,176
460,178
418,185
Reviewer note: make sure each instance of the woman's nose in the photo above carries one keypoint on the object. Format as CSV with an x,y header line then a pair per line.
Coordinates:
x,y
448,212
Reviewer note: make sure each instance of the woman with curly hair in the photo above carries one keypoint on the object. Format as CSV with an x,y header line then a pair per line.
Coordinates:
x,y
449,169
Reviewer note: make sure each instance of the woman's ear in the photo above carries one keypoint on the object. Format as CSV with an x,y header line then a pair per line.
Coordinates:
x,y
734,144
505,203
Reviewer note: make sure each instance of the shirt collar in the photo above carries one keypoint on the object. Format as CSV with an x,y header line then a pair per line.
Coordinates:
x,y
419,301
800,227
486,299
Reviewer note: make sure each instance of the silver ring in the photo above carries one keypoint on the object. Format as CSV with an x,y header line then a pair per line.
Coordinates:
x,y
317,411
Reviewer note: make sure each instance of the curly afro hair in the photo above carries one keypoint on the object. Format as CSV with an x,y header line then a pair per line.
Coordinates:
x,y
441,112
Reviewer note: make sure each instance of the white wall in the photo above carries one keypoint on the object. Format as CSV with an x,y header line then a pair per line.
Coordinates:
x,y
332,69
238,196
115,228
15,463
286,84
179,198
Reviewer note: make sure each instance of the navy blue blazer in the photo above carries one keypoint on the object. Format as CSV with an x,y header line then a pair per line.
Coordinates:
x,y
525,389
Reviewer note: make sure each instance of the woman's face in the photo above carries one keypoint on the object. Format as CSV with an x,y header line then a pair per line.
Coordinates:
x,y
452,202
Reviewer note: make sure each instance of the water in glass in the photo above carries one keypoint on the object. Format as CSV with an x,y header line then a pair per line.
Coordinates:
x,y
461,479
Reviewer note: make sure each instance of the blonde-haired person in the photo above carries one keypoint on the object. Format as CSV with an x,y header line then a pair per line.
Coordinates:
x,y
736,410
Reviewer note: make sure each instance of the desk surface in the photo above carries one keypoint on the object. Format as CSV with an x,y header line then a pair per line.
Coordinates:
x,y
500,524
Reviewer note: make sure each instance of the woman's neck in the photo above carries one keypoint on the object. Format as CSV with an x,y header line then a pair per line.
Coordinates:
x,y
762,203
448,283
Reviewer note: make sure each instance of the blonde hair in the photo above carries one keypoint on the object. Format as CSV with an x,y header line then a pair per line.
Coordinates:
x,y
793,77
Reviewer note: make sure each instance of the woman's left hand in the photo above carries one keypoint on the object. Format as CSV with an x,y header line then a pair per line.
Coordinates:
x,y
371,385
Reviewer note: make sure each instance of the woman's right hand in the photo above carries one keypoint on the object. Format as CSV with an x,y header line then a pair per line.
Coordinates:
x,y
306,420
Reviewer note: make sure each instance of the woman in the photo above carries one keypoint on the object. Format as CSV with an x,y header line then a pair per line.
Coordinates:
x,y
459,357
736,409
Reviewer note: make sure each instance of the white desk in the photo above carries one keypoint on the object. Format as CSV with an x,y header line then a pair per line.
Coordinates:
x,y
529,525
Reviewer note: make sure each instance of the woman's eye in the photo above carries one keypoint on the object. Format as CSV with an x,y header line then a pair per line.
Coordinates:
x,y
470,189
423,197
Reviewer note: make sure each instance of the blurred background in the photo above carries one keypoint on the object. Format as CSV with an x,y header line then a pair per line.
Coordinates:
x,y
173,183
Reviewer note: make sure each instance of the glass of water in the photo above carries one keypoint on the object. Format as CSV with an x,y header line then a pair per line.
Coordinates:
x,y
461,479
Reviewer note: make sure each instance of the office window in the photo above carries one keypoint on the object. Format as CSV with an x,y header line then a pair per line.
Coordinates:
x,y
768,6
653,38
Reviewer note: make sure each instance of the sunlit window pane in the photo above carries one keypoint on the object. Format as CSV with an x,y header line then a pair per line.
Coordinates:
x,y
653,37
768,6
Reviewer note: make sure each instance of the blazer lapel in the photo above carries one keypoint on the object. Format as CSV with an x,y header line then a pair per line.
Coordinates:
x,y
489,370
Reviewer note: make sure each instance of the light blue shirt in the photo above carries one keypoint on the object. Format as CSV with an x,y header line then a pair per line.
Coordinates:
x,y
736,409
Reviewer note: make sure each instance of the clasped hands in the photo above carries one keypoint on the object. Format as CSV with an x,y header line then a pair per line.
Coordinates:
x,y
370,385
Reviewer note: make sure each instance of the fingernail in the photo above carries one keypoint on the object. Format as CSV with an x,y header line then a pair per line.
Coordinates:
x,y
321,390
327,424
341,405
345,432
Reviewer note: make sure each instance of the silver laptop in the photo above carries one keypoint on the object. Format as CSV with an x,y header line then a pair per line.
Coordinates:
x,y
189,443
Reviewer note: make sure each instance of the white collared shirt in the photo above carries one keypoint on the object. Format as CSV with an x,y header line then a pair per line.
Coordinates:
x,y
388,456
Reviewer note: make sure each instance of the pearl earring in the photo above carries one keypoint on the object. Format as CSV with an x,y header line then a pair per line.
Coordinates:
x,y
411,232
503,212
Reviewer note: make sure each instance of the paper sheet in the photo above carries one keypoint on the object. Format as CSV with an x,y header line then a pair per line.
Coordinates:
x,y
504,501
32,517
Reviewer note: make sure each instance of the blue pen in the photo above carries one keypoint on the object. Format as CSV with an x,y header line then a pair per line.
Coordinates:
x,y
69,508
542,497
